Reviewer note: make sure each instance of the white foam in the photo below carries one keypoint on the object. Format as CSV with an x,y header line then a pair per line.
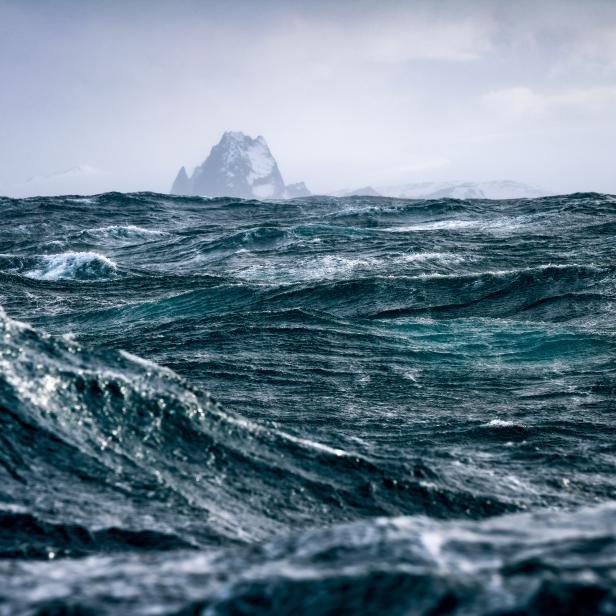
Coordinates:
x,y
146,363
332,267
443,257
511,272
497,225
72,265
125,232
328,267
436,225
247,424
499,423
81,200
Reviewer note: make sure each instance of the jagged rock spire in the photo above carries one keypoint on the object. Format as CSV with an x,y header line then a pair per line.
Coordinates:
x,y
238,166
181,185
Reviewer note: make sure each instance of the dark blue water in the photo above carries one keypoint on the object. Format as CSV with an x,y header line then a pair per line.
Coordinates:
x,y
322,406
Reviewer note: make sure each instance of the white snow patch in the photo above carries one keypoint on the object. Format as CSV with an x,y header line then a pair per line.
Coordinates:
x,y
260,160
496,189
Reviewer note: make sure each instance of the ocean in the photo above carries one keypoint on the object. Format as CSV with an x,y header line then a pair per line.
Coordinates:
x,y
319,406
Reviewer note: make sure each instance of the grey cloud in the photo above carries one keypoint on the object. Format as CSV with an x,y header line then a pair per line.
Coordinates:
x,y
347,93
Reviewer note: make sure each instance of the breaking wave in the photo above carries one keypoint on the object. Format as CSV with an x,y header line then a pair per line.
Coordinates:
x,y
123,233
68,266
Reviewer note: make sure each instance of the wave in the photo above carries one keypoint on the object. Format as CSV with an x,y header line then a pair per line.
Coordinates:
x,y
97,435
502,225
550,292
540,563
346,288
105,423
26,536
501,423
298,269
62,266
367,379
123,232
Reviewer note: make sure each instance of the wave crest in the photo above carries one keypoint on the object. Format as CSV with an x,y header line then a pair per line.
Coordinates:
x,y
541,563
127,233
108,424
71,266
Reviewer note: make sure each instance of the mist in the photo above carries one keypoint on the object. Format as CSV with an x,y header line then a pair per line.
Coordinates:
x,y
346,93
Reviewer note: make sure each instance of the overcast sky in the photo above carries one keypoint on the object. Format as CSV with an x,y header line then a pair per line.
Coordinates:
x,y
347,93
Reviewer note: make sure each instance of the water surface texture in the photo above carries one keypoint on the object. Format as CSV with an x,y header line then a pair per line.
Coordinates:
x,y
319,406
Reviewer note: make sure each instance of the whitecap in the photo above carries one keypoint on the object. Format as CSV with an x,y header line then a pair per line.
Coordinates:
x,y
328,267
123,232
331,267
498,225
436,226
500,423
81,200
442,257
72,266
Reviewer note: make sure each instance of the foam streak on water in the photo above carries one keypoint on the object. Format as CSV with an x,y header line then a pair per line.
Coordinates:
x,y
358,405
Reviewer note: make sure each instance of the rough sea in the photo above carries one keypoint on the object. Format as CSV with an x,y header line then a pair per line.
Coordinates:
x,y
319,406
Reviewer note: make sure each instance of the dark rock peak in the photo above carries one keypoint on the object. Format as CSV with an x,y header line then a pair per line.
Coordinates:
x,y
238,166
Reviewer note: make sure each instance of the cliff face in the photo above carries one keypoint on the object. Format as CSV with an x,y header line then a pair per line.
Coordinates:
x,y
238,166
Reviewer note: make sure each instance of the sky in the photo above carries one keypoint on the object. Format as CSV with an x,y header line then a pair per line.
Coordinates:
x,y
347,93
